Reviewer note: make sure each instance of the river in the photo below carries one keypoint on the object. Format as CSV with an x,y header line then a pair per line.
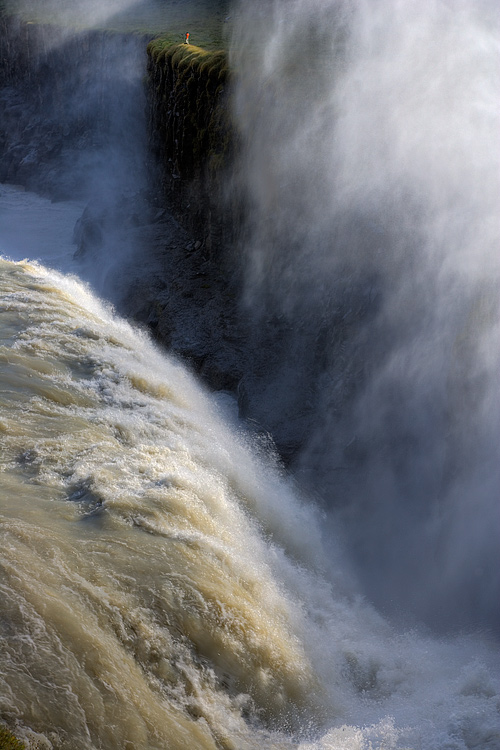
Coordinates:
x,y
164,581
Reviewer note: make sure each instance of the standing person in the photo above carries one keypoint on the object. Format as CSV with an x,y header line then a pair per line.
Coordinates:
x,y
186,40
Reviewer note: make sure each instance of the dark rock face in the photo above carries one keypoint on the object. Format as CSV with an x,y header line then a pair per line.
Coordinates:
x,y
65,98
192,138
188,305
169,285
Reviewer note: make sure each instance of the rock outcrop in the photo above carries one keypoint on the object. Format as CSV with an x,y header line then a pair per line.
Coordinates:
x,y
191,137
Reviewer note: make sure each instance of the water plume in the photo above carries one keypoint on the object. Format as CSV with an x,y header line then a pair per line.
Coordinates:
x,y
371,171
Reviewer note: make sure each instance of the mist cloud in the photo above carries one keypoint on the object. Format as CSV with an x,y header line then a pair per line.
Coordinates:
x,y
372,169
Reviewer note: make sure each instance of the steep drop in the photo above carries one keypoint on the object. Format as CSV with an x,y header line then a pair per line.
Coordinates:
x,y
162,586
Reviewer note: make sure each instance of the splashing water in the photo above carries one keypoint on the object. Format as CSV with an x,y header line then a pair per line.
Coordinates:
x,y
161,586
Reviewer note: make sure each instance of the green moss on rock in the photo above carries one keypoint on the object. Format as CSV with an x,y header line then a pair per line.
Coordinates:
x,y
8,741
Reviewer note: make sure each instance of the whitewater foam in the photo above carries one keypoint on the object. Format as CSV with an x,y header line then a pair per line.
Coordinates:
x,y
162,587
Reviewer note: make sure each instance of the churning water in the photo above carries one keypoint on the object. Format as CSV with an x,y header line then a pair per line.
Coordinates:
x,y
162,587
139,603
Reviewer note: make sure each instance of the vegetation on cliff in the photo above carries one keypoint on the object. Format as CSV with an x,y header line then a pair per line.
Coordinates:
x,y
189,105
8,741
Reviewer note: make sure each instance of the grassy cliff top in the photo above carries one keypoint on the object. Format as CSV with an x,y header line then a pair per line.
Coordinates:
x,y
203,19
187,55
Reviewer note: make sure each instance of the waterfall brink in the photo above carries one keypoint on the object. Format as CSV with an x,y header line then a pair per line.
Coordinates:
x,y
161,586
137,588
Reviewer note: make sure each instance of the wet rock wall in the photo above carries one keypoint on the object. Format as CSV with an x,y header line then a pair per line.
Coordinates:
x,y
62,104
192,138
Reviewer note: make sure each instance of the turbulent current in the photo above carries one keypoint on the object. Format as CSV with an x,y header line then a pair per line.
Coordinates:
x,y
162,587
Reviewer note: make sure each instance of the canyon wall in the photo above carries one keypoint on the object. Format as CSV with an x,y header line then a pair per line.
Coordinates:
x,y
192,138
63,104
141,130
62,101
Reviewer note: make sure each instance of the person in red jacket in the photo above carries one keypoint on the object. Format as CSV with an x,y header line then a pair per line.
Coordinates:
x,y
186,40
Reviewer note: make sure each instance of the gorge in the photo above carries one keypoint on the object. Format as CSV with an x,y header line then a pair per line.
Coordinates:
x,y
262,513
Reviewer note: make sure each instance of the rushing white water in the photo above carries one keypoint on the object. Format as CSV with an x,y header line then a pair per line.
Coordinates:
x,y
123,522
161,587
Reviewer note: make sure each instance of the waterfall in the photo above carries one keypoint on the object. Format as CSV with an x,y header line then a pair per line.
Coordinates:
x,y
165,582
163,585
